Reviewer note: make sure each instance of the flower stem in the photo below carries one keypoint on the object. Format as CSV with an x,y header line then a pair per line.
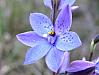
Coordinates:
x,y
91,55
92,48
94,41
92,52
65,73
54,12
54,73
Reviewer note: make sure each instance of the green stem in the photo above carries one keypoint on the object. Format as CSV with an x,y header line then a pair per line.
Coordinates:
x,y
91,55
92,48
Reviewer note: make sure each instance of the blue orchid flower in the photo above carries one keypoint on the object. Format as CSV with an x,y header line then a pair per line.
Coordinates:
x,y
62,4
51,41
83,67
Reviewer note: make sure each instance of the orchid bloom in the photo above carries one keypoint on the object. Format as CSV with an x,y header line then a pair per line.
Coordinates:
x,y
83,67
51,41
62,4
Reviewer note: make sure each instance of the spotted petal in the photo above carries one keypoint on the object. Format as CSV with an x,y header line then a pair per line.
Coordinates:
x,y
64,20
48,3
79,65
68,41
54,58
37,52
40,23
30,38
66,2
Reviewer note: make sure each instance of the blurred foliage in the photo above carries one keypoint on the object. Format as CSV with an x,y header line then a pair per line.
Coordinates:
x,y
14,16
1,23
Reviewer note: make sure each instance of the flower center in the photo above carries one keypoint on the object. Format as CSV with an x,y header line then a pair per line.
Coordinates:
x,y
52,33
51,39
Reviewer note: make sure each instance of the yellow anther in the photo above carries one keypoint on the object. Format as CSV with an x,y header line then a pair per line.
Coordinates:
x,y
51,33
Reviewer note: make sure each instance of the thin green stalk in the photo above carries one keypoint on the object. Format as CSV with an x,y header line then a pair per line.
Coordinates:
x,y
92,48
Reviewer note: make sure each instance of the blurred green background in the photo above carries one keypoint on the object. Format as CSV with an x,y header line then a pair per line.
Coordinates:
x,y
14,16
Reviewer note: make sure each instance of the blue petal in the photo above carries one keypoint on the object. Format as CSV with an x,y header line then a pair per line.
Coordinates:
x,y
37,52
30,38
80,65
64,20
40,23
54,58
66,2
65,62
68,41
97,66
48,3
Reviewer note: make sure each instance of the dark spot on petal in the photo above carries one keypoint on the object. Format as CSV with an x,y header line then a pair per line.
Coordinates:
x,y
69,40
68,33
40,23
44,26
66,40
